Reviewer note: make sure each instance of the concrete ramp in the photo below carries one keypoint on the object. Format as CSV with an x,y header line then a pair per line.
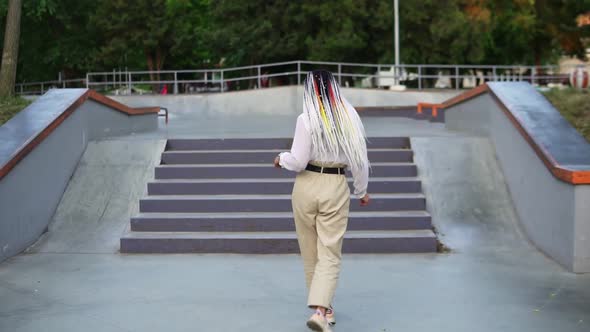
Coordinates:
x,y
545,161
101,196
40,148
467,195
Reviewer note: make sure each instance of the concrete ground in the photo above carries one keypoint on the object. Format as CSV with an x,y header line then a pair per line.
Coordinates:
x,y
73,278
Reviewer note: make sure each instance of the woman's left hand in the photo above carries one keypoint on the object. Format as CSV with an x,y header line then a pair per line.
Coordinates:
x,y
277,162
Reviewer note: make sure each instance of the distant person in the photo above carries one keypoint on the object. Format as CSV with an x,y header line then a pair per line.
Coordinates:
x,y
329,137
264,80
164,90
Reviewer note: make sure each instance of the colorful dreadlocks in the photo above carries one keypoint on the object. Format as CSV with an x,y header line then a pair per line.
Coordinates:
x,y
334,126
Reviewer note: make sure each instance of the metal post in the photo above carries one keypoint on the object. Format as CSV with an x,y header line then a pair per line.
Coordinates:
x,y
396,33
259,77
42,88
377,77
419,77
175,83
456,78
533,72
222,81
129,82
114,78
494,71
298,72
21,89
87,77
340,74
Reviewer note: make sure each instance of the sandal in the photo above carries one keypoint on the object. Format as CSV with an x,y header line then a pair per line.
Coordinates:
x,y
318,322
330,317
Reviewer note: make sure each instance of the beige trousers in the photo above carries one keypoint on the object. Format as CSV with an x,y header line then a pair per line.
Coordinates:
x,y
320,206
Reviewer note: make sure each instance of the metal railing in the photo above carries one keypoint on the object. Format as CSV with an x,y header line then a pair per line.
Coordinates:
x,y
39,88
293,73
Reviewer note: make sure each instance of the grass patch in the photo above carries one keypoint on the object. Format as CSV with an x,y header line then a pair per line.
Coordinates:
x,y
10,106
574,105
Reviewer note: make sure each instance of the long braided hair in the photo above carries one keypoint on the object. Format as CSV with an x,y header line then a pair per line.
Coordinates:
x,y
334,127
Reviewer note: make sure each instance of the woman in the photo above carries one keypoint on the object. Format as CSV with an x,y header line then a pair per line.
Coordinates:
x,y
329,137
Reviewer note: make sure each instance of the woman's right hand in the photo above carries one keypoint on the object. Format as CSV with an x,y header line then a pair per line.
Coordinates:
x,y
365,200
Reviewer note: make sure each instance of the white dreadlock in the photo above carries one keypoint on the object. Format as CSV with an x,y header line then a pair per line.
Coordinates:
x,y
334,126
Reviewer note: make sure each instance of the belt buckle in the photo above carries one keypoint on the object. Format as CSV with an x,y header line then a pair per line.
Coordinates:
x,y
322,170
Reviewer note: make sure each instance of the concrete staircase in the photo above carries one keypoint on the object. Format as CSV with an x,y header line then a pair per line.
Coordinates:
x,y
224,196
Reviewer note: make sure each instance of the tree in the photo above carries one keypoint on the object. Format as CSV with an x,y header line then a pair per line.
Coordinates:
x,y
156,29
339,32
190,42
73,37
512,31
68,44
138,27
257,31
556,28
10,50
443,31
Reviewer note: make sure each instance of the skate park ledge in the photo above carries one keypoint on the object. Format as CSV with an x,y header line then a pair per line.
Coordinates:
x,y
40,150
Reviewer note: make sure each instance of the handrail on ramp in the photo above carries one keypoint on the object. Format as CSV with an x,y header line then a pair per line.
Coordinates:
x,y
434,107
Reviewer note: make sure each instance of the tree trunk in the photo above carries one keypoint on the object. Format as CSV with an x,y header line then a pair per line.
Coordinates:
x,y
159,61
151,68
538,45
10,50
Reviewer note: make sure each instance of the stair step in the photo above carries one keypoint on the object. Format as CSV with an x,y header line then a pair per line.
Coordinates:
x,y
268,203
224,196
267,186
271,222
265,156
273,242
270,143
199,171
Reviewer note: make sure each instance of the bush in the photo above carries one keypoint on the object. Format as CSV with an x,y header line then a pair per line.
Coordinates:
x,y
574,105
10,106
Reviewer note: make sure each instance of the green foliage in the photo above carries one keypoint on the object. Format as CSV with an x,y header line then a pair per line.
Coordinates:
x,y
55,37
153,29
190,47
432,31
10,106
73,37
510,40
338,30
66,45
256,31
556,27
437,33
574,105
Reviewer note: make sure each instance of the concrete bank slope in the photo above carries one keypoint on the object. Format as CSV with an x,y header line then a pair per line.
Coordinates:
x,y
101,197
40,148
545,161
467,194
